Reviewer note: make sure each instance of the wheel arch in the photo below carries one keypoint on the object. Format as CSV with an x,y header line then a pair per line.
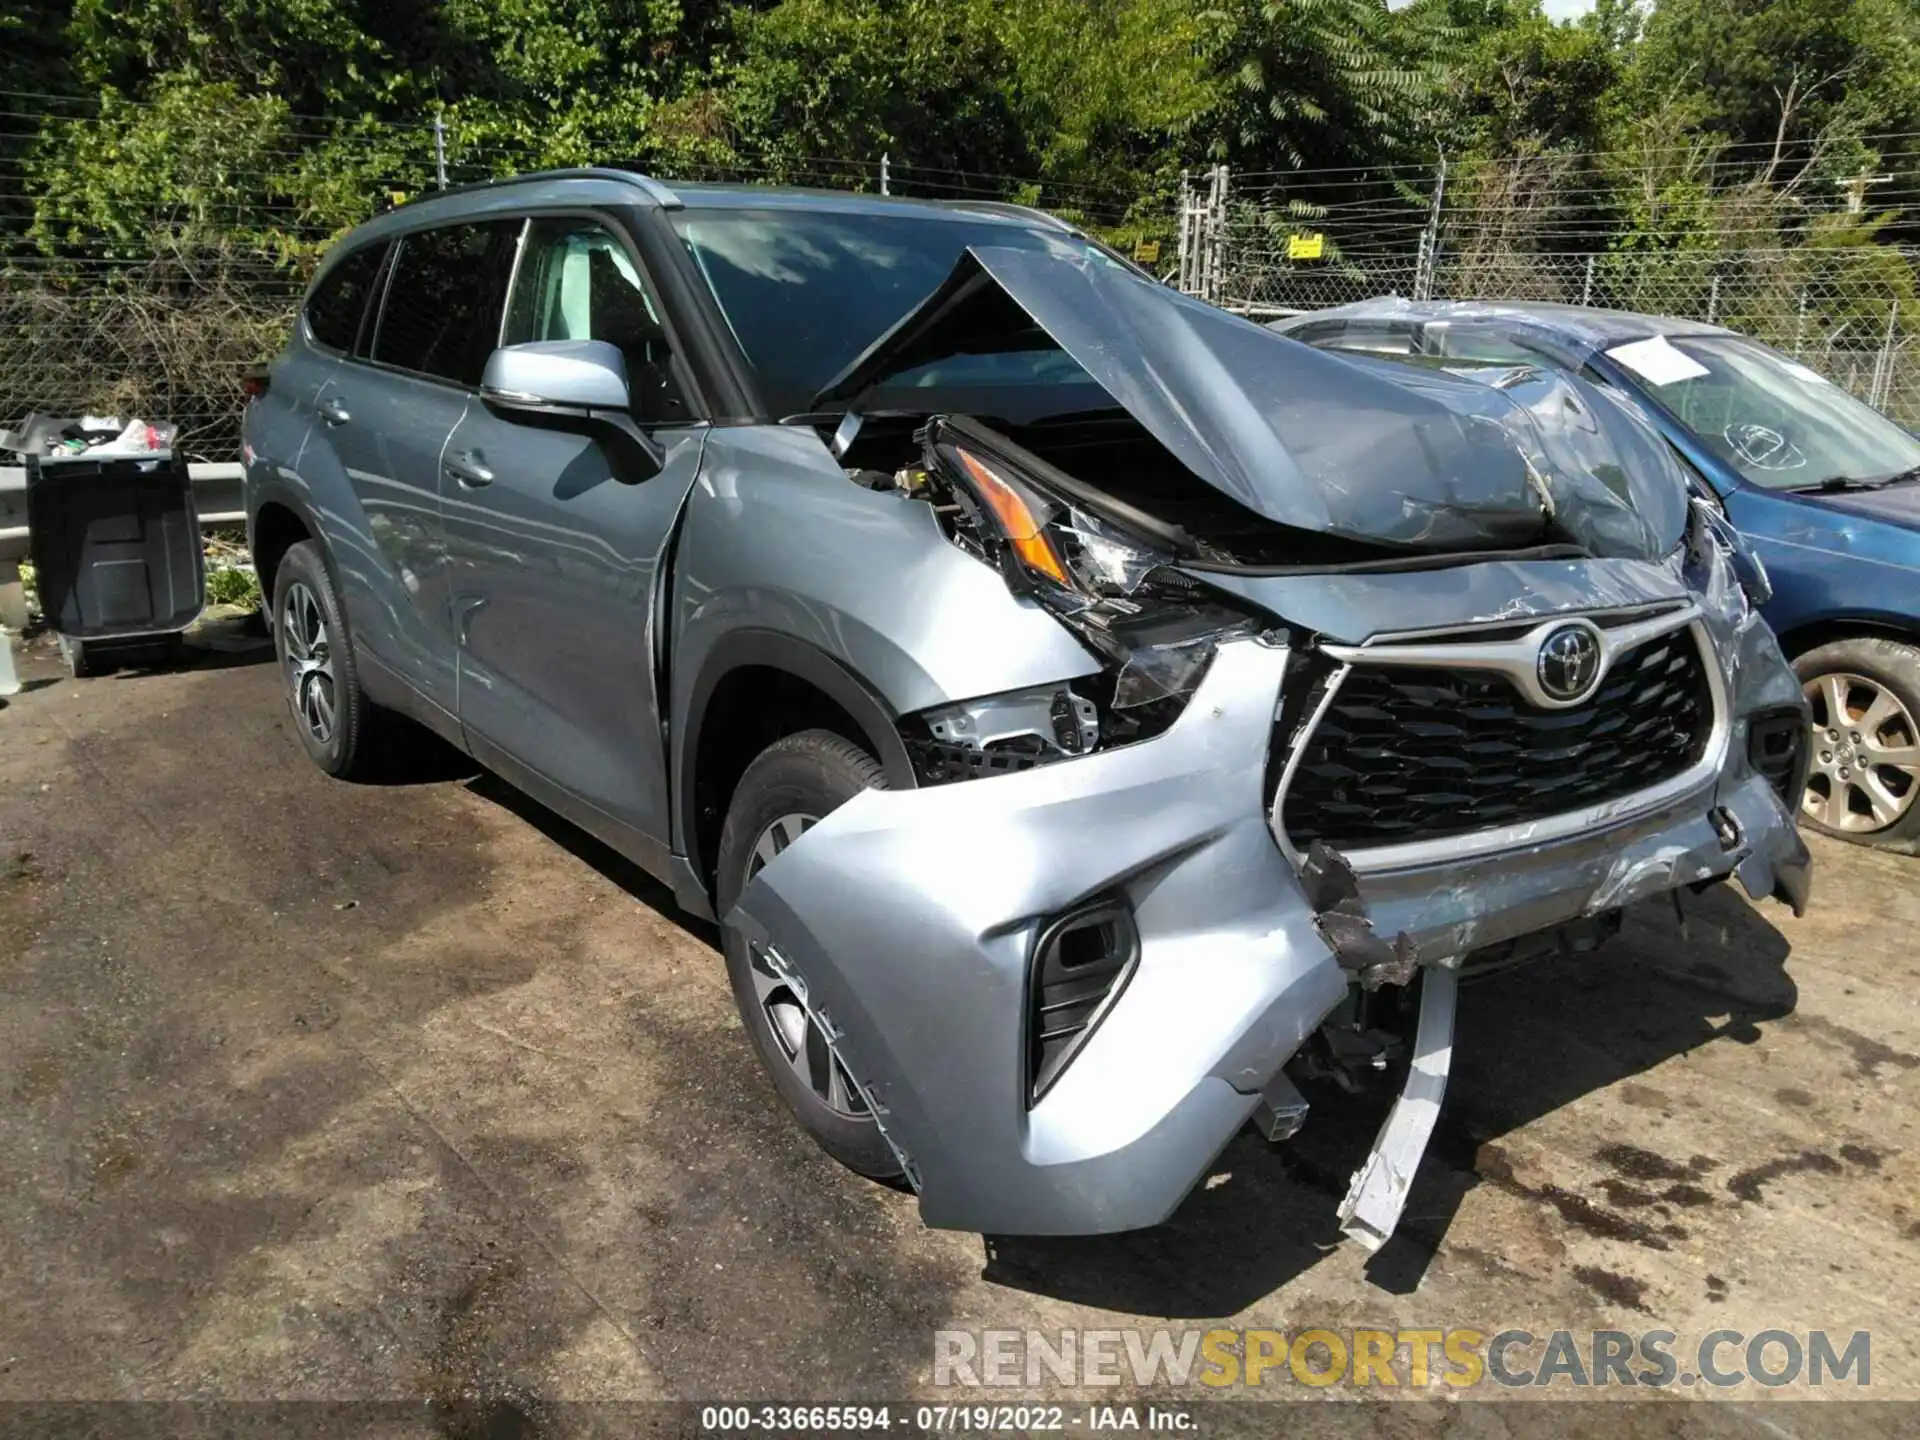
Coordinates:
x,y
1797,640
275,524
753,688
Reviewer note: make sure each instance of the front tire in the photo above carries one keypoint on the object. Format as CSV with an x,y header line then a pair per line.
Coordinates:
x,y
792,784
1864,782
332,718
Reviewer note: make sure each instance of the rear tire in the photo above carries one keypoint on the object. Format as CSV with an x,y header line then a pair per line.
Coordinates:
x,y
338,727
794,782
1864,782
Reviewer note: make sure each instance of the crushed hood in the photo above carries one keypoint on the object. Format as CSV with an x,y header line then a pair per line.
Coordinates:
x,y
1369,451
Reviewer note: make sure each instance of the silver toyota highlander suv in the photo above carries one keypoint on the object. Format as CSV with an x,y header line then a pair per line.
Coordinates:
x,y
1081,708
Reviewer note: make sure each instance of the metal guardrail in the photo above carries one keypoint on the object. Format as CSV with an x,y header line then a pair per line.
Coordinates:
x,y
216,496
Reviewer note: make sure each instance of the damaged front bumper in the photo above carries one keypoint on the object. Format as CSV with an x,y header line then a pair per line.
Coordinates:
x,y
914,918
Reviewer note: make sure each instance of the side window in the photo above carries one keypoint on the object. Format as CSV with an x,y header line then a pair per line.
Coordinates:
x,y
339,302
577,282
443,304
1372,337
1465,342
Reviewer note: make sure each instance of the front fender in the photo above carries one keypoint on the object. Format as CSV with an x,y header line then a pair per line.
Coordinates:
x,y
783,561
778,539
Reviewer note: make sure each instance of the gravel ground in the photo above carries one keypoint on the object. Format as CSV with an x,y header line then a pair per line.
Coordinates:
x,y
316,1091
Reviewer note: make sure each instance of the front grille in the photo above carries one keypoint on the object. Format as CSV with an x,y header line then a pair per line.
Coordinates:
x,y
1405,754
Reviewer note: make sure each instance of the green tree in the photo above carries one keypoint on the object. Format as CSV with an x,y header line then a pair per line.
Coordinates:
x,y
924,80
1779,75
1313,83
1522,81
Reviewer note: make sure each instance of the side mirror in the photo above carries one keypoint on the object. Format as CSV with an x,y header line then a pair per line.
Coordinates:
x,y
580,374
577,385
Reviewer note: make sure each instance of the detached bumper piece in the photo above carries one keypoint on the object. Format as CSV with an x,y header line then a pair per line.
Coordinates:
x,y
1380,1187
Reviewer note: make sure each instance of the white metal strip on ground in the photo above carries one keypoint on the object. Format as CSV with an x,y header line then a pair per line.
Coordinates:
x,y
1380,1187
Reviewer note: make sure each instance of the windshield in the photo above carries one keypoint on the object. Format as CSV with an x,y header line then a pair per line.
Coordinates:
x,y
1776,422
807,292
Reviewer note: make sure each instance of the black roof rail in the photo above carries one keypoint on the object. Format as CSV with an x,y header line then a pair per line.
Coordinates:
x,y
1009,208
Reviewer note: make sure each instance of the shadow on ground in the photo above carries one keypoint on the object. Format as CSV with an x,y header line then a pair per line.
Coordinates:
x,y
1526,1044
602,857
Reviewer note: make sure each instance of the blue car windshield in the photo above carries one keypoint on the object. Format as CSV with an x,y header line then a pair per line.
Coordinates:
x,y
806,292
1777,422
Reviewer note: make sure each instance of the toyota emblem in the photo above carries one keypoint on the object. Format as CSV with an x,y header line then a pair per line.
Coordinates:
x,y
1569,664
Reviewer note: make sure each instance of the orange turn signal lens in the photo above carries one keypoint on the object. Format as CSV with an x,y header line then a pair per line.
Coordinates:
x,y
1023,529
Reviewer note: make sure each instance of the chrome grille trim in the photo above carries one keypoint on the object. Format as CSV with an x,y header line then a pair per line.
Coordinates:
x,y
1498,656
1516,658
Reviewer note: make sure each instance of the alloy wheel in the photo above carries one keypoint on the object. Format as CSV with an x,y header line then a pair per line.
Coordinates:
x,y
1866,754
306,648
799,1039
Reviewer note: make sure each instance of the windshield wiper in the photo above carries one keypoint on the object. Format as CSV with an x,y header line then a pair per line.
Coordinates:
x,y
1835,483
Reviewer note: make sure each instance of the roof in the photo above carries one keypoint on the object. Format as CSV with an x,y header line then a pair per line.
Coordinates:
x,y
612,185
1598,328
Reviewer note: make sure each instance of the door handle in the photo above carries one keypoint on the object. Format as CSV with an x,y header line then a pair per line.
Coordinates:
x,y
467,469
333,412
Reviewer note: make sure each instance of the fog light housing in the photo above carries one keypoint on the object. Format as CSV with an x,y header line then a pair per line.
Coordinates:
x,y
1777,751
1081,962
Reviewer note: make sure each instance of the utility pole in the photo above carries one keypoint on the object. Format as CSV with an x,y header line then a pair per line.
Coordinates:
x,y
1856,189
439,151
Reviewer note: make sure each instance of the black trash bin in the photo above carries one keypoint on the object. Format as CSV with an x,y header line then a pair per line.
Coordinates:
x,y
116,550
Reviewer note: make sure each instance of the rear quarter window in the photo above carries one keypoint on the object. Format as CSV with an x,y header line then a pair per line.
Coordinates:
x,y
339,301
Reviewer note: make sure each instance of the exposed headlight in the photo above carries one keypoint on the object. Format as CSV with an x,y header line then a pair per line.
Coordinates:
x,y
1155,627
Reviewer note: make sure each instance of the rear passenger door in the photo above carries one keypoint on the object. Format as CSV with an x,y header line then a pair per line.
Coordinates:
x,y
557,557
385,413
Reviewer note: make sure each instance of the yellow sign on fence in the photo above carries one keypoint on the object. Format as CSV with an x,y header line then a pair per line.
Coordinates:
x,y
1306,247
1146,251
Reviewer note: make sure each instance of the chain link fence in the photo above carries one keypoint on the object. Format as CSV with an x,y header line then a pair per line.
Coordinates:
x,y
1849,311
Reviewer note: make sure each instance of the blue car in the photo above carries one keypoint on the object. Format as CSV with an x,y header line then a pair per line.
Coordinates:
x,y
1825,489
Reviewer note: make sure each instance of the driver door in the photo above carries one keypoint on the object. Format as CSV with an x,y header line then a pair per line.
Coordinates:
x,y
556,551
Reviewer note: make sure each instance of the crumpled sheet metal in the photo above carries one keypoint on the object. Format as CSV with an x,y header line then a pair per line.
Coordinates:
x,y
1449,910
1312,439
1776,864
1609,481
1352,608
912,913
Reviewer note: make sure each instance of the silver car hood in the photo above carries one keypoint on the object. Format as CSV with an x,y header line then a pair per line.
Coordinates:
x,y
1397,456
